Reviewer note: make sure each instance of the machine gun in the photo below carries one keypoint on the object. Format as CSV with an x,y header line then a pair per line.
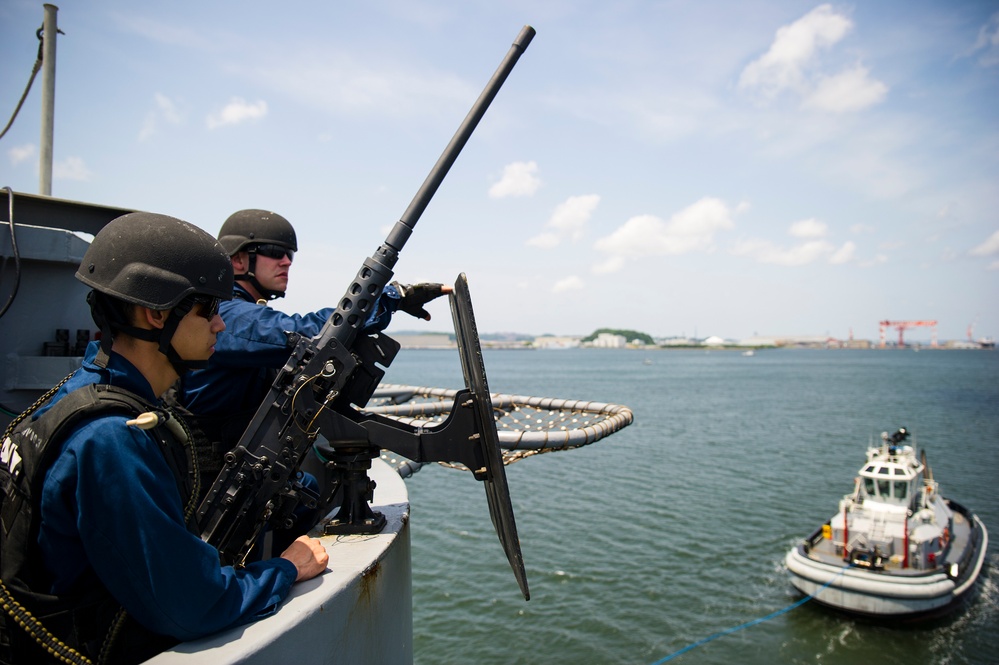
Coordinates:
x,y
325,377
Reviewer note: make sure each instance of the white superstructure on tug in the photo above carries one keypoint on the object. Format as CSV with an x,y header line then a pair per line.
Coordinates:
x,y
896,547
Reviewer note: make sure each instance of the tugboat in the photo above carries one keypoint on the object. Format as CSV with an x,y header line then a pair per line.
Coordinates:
x,y
896,549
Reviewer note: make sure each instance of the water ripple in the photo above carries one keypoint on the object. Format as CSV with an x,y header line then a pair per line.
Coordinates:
x,y
676,528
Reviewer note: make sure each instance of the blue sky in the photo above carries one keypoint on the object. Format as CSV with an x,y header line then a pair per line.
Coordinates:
x,y
712,168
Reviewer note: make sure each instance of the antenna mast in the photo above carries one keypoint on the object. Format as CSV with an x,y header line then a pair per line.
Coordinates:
x,y
49,30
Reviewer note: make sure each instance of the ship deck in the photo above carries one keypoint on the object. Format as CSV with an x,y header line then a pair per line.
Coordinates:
x,y
829,552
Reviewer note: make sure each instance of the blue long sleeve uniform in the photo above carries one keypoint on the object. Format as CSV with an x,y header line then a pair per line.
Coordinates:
x,y
111,514
253,345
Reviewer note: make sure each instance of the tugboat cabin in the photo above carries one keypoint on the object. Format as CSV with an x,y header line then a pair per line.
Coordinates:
x,y
891,479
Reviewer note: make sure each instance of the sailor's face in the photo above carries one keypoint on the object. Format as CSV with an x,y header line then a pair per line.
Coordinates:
x,y
197,332
273,273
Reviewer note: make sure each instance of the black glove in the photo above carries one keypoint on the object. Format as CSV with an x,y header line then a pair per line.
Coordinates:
x,y
414,296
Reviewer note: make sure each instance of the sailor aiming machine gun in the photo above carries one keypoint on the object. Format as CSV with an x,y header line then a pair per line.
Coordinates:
x,y
328,378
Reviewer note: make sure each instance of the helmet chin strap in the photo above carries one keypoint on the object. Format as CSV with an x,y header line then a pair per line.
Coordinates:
x,y
250,276
181,365
163,336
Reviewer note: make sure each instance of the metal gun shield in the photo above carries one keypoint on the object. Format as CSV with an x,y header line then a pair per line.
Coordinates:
x,y
497,491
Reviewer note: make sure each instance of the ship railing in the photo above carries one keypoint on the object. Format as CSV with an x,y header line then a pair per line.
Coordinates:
x,y
816,537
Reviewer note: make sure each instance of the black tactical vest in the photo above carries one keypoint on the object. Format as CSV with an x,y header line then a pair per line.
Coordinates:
x,y
34,625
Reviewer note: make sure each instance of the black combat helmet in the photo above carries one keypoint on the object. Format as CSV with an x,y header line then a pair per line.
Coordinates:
x,y
256,227
256,231
155,261
158,262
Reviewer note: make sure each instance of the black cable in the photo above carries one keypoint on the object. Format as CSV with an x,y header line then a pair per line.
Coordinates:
x,y
34,73
17,254
17,280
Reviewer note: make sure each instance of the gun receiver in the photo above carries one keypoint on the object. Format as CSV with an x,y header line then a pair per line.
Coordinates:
x,y
324,376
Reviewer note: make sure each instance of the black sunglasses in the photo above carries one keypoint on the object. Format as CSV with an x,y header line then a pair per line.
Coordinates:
x,y
275,252
209,306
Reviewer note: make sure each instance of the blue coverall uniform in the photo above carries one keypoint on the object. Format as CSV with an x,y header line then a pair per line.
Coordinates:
x,y
111,514
254,343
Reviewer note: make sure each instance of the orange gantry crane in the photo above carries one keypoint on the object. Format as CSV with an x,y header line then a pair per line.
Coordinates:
x,y
902,325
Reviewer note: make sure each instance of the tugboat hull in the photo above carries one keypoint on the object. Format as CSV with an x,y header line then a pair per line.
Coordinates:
x,y
887,594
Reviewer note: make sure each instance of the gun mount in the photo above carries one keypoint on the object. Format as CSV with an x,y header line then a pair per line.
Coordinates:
x,y
327,377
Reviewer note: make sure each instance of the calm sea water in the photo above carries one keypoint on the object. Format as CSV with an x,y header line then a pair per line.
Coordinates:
x,y
675,529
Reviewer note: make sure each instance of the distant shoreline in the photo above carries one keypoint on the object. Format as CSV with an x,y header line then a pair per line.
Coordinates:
x,y
522,346
641,341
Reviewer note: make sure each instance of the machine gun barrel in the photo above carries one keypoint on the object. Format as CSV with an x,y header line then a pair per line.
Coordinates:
x,y
257,484
375,273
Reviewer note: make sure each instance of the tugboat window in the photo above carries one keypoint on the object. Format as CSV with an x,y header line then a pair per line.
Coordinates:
x,y
900,488
884,488
869,486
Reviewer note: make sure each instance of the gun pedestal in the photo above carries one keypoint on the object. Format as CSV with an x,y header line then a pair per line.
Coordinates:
x,y
350,465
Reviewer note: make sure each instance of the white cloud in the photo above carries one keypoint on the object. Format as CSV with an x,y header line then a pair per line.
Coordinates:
x,y
166,110
544,241
166,33
570,283
808,228
987,248
793,48
664,116
844,254
610,265
19,153
340,82
850,90
988,42
792,64
812,248
861,228
236,111
764,251
519,179
876,261
71,168
572,216
568,221
149,126
690,230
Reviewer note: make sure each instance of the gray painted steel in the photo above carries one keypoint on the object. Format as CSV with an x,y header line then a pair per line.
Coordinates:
x,y
48,299
359,612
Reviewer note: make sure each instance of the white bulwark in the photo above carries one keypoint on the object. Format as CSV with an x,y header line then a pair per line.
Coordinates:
x,y
335,618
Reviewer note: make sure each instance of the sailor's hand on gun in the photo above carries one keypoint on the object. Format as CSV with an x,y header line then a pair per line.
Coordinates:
x,y
308,555
414,296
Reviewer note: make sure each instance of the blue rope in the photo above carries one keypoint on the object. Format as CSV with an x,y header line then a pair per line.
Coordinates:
x,y
723,633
